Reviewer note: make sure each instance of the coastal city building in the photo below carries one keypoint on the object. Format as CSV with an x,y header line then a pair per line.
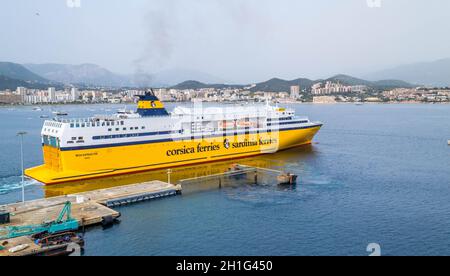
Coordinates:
x,y
295,92
336,88
324,99
317,94
22,92
52,94
74,94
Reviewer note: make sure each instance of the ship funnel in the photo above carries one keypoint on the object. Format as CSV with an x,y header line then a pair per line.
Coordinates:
x,y
150,105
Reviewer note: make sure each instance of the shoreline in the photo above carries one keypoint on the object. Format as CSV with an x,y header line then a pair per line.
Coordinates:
x,y
189,102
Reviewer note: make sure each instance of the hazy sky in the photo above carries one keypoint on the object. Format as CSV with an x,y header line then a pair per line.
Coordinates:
x,y
236,40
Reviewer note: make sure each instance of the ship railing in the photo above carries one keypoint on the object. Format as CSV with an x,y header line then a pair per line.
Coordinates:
x,y
228,114
85,120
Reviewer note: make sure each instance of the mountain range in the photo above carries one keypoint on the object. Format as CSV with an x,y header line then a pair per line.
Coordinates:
x,y
94,75
90,75
434,73
83,74
280,85
13,75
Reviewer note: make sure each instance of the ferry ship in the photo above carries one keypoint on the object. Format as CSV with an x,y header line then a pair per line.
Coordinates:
x,y
151,138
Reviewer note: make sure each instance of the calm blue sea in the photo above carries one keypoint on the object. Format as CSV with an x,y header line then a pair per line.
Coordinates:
x,y
376,174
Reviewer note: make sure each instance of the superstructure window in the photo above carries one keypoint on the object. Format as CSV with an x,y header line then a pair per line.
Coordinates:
x,y
50,141
136,134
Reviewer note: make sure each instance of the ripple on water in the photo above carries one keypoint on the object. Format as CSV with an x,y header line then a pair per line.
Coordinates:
x,y
266,194
12,183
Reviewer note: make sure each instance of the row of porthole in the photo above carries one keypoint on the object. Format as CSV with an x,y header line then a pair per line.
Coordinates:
x,y
53,124
96,124
124,129
51,130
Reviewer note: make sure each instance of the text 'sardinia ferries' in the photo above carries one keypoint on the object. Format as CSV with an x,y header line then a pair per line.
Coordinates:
x,y
152,138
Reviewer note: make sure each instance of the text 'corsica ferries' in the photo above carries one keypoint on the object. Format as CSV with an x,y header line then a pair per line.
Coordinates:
x,y
152,138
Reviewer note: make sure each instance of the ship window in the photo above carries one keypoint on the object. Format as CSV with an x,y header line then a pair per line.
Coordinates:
x,y
83,125
136,128
74,138
109,129
71,125
80,138
131,128
124,128
107,124
143,127
121,123
77,125
117,129
103,124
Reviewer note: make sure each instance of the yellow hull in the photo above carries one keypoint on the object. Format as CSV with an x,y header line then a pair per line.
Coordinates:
x,y
74,165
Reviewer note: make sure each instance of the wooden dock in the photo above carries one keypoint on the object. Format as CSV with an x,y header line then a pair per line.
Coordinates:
x,y
89,208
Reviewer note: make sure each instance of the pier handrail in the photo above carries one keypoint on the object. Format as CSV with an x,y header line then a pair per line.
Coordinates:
x,y
250,169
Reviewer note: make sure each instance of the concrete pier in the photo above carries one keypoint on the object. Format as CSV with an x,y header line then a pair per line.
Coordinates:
x,y
89,208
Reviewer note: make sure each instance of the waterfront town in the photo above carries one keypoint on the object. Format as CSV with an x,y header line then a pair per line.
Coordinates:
x,y
320,93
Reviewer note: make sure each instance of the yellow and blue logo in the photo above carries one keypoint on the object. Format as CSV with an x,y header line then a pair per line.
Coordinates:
x,y
150,105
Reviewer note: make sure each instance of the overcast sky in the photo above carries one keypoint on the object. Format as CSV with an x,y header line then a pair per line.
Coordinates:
x,y
235,40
